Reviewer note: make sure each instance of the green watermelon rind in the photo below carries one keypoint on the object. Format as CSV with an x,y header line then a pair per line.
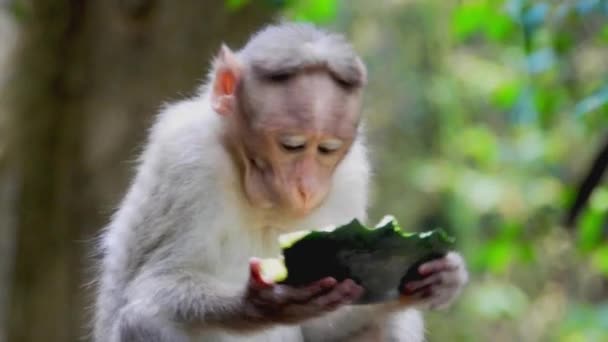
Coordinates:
x,y
386,238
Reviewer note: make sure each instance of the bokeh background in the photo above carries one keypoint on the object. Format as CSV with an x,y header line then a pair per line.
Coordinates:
x,y
488,118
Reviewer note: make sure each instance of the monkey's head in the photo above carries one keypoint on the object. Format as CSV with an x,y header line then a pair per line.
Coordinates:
x,y
291,101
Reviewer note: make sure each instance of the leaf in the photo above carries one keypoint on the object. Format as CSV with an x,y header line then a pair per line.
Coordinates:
x,y
506,95
317,11
547,101
235,5
468,19
563,42
499,255
499,26
590,232
599,259
474,17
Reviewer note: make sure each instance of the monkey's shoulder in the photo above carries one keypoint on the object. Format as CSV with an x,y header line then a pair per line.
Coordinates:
x,y
189,119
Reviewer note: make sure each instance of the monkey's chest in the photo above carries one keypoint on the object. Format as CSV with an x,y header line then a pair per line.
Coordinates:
x,y
236,247
286,333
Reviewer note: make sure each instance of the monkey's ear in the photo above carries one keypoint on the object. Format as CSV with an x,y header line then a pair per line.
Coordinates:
x,y
227,74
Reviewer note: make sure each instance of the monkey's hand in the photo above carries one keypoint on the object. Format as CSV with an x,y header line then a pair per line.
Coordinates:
x,y
442,281
276,303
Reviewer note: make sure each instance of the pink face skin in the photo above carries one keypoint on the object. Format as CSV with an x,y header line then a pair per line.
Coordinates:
x,y
300,129
289,131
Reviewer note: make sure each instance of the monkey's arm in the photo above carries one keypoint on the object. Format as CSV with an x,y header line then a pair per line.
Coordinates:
x,y
185,301
167,304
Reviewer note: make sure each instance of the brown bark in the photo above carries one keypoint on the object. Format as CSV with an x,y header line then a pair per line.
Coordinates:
x,y
89,77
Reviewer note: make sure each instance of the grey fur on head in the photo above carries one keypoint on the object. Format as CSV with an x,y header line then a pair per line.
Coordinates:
x,y
289,47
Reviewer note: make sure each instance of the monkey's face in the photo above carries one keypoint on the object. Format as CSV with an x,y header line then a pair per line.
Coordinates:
x,y
295,131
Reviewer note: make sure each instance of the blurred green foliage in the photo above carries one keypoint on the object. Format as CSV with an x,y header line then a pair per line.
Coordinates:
x,y
316,11
483,117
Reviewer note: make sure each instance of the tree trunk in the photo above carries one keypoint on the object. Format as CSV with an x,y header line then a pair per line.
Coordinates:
x,y
89,76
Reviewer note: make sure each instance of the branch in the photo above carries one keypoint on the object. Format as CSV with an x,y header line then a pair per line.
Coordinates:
x,y
586,187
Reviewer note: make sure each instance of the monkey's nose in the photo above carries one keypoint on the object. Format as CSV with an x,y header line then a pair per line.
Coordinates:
x,y
305,198
304,194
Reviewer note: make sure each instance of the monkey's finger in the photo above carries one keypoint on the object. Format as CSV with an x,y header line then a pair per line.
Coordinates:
x,y
432,297
418,295
331,306
414,286
255,275
438,265
424,293
297,312
345,292
306,293
356,290
351,292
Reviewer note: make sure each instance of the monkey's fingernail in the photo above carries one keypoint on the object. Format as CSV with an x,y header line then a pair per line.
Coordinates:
x,y
424,269
328,282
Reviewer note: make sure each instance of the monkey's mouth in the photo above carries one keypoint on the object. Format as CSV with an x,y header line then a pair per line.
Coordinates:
x,y
305,206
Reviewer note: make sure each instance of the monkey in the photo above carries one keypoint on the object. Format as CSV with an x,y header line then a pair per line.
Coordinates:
x,y
272,142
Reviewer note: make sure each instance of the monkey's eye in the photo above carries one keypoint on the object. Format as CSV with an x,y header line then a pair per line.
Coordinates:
x,y
330,146
279,77
293,143
344,84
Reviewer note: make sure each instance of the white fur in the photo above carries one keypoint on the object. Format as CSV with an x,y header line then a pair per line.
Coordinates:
x,y
187,188
185,217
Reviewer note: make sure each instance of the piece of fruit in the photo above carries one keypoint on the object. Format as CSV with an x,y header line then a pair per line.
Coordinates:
x,y
379,259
